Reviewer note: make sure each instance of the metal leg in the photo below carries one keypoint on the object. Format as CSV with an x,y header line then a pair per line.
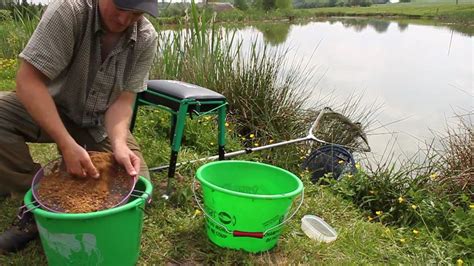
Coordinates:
x,y
175,146
221,132
173,127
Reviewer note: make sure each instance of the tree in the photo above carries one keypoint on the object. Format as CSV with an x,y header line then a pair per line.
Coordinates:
x,y
268,4
283,4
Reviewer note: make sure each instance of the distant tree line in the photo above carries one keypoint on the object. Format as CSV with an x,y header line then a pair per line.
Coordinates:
x,y
334,3
284,4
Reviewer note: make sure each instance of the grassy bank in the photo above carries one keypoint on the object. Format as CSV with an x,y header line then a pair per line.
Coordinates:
x,y
462,13
174,230
383,216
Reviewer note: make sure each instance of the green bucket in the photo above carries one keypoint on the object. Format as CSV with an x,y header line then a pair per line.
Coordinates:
x,y
108,237
247,203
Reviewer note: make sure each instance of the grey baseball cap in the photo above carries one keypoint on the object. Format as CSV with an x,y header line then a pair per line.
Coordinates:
x,y
147,6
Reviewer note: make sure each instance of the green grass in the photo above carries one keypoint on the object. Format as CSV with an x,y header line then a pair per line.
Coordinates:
x,y
173,233
440,1
451,2
8,69
462,13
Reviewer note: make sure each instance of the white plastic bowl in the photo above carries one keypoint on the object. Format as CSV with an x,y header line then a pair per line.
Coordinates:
x,y
317,229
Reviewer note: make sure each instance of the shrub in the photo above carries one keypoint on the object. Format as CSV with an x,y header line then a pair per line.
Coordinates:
x,y
435,195
268,5
455,158
241,4
17,31
174,10
5,15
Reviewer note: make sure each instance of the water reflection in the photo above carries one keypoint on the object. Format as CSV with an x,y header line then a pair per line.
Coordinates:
x,y
274,33
402,26
421,73
359,25
277,33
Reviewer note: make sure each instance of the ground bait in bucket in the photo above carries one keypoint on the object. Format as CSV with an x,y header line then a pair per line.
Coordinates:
x,y
61,192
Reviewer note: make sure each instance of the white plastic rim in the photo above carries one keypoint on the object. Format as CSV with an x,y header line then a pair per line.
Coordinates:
x,y
317,229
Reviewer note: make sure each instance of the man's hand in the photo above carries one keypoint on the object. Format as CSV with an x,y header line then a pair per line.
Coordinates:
x,y
128,159
117,121
78,161
32,92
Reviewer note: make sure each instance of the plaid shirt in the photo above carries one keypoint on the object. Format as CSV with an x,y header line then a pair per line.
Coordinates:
x,y
66,48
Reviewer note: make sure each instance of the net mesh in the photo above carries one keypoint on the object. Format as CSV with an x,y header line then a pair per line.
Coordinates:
x,y
340,138
338,129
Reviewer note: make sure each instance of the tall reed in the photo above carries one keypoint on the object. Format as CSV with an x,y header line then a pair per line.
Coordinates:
x,y
17,31
264,99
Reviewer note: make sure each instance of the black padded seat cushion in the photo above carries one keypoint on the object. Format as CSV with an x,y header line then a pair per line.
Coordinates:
x,y
180,90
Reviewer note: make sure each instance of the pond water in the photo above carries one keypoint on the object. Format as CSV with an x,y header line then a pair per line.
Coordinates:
x,y
421,75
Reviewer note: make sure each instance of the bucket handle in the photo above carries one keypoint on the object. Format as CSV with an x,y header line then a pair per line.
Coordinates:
x,y
24,209
148,197
237,233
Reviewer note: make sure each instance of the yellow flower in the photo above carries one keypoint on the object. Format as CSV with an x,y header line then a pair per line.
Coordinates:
x,y
357,166
349,176
226,124
243,138
341,162
413,206
252,136
459,262
197,212
402,240
271,141
256,144
471,206
212,143
369,218
401,199
416,232
379,213
433,176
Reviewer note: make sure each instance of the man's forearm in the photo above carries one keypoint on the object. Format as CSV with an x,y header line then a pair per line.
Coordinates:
x,y
32,92
117,119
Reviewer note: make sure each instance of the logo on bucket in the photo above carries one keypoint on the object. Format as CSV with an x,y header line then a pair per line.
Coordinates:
x,y
226,218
